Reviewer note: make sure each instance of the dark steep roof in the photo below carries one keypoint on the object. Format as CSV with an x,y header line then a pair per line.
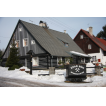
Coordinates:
x,y
50,40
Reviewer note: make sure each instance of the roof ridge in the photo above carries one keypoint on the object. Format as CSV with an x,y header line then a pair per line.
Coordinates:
x,y
88,33
47,28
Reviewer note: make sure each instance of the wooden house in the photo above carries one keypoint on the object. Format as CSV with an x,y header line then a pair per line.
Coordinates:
x,y
49,46
91,45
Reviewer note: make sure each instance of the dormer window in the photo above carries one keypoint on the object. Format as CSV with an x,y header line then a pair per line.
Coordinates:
x,y
89,46
81,36
66,44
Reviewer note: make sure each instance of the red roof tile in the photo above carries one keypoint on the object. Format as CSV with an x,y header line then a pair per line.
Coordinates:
x,y
102,40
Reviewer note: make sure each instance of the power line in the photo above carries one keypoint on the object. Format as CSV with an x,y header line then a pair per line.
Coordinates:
x,y
60,25
52,22
65,24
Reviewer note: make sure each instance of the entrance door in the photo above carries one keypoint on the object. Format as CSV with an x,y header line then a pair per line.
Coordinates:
x,y
35,61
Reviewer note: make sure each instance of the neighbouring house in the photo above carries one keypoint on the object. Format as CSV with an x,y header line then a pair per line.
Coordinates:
x,y
91,45
48,46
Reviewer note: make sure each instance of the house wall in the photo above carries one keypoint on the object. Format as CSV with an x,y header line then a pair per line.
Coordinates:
x,y
20,35
83,43
100,56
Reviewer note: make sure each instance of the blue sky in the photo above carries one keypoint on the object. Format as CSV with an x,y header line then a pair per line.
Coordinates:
x,y
72,25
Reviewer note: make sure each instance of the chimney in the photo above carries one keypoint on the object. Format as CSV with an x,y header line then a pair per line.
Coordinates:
x,y
64,31
90,31
43,24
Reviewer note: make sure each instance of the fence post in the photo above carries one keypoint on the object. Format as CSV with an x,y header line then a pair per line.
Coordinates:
x,y
97,70
51,70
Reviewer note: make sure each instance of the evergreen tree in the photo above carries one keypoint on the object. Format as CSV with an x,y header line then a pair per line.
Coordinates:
x,y
102,34
13,59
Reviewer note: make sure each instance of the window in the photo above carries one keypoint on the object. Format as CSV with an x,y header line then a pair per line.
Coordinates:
x,y
59,59
94,58
17,43
25,42
35,61
32,42
66,44
20,29
10,45
81,36
89,46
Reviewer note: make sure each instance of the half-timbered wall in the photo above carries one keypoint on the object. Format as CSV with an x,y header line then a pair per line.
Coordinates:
x,y
20,35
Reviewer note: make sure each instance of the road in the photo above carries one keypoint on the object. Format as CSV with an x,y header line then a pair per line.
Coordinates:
x,y
8,82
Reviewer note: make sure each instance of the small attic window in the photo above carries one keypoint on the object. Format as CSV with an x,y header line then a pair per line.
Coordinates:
x,y
65,44
32,42
20,29
81,36
89,46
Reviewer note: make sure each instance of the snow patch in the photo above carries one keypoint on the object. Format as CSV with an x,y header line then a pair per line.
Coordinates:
x,y
52,79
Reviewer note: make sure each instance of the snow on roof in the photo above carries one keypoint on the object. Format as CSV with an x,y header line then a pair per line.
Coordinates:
x,y
79,54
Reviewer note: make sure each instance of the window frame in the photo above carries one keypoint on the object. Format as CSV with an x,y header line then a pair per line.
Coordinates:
x,y
66,44
35,60
58,60
89,46
16,44
20,29
24,43
32,43
81,36
94,58
10,45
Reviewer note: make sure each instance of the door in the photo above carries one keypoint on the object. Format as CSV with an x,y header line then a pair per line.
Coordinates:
x,y
35,61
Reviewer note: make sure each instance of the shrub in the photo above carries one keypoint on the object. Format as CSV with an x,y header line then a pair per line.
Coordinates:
x,y
14,67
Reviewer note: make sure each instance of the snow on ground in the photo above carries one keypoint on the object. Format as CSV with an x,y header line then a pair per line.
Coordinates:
x,y
53,79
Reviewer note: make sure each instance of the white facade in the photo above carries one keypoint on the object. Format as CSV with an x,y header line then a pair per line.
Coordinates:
x,y
100,56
